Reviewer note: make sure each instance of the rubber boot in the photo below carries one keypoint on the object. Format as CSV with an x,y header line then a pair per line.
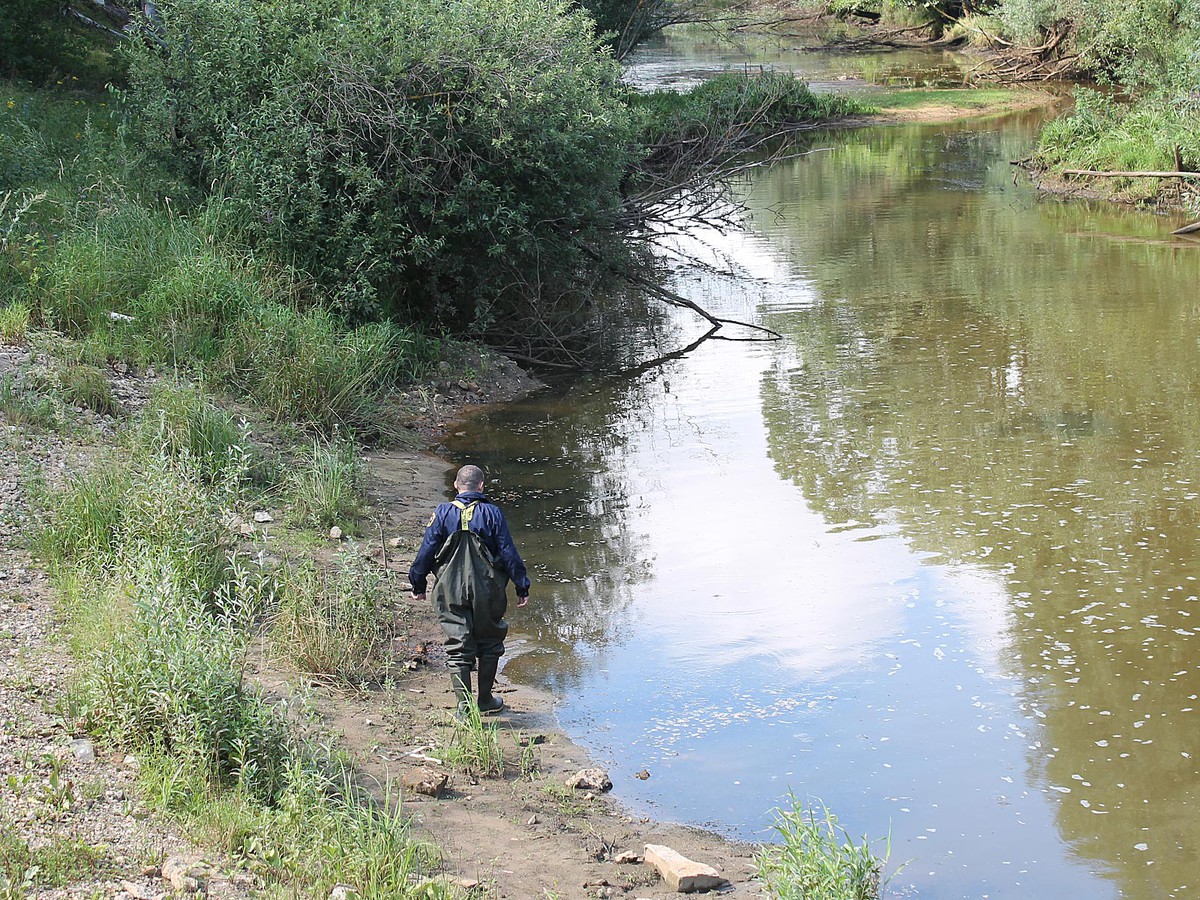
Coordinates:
x,y
487,677
460,680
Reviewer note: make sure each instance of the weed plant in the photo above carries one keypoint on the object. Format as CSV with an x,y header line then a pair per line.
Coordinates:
x,y
85,385
474,744
182,424
25,870
326,487
14,322
334,623
23,406
817,860
320,833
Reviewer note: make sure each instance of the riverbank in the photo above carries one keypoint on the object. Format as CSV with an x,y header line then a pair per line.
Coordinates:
x,y
86,824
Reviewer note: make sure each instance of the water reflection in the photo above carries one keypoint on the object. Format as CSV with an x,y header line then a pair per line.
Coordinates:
x,y
682,58
932,559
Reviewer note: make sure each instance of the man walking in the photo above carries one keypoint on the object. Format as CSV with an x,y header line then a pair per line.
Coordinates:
x,y
469,549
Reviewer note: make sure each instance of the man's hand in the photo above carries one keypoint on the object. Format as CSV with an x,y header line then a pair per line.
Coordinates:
x,y
521,601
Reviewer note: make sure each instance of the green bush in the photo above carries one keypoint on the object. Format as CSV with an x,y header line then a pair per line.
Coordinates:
x,y
410,159
172,680
734,107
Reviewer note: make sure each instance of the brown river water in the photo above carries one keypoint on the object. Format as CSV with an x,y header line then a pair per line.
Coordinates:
x,y
931,560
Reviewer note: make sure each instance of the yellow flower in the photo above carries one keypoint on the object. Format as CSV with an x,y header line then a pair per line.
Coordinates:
x,y
12,103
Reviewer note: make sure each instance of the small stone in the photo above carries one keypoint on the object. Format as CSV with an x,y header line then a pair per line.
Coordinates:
x,y
626,857
139,891
132,763
82,750
424,780
185,874
246,528
263,516
643,775
590,780
681,874
343,892
394,542
533,820
335,533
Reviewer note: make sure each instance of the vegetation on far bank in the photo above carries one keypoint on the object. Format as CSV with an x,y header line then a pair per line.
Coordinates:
x,y
1138,86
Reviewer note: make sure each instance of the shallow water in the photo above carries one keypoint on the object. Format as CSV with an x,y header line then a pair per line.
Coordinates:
x,y
932,558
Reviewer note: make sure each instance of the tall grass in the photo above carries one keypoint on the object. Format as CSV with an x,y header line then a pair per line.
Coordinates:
x,y
161,611
334,623
22,405
325,486
473,745
14,322
817,860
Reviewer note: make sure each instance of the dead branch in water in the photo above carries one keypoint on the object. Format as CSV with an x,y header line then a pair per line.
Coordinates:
x,y
1093,173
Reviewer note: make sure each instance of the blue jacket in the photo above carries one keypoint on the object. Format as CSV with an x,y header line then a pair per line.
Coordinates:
x,y
487,522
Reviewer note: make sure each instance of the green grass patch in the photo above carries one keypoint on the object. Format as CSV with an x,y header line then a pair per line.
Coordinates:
x,y
817,860
160,612
100,243
1102,133
23,406
955,98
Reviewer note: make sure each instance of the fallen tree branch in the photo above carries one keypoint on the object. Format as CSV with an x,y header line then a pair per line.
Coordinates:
x,y
1187,229
1092,173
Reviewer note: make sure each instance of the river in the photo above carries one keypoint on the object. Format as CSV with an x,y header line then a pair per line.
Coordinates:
x,y
930,560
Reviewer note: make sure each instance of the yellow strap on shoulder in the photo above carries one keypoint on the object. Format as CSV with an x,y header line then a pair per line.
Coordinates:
x,y
467,510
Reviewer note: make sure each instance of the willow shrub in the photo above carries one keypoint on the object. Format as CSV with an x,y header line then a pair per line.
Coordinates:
x,y
416,156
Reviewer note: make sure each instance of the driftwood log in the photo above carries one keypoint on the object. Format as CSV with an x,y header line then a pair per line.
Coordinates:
x,y
1092,173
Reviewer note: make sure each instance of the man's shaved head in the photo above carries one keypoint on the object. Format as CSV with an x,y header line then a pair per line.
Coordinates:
x,y
469,478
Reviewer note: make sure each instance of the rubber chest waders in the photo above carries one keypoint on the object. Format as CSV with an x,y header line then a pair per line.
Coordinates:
x,y
470,594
